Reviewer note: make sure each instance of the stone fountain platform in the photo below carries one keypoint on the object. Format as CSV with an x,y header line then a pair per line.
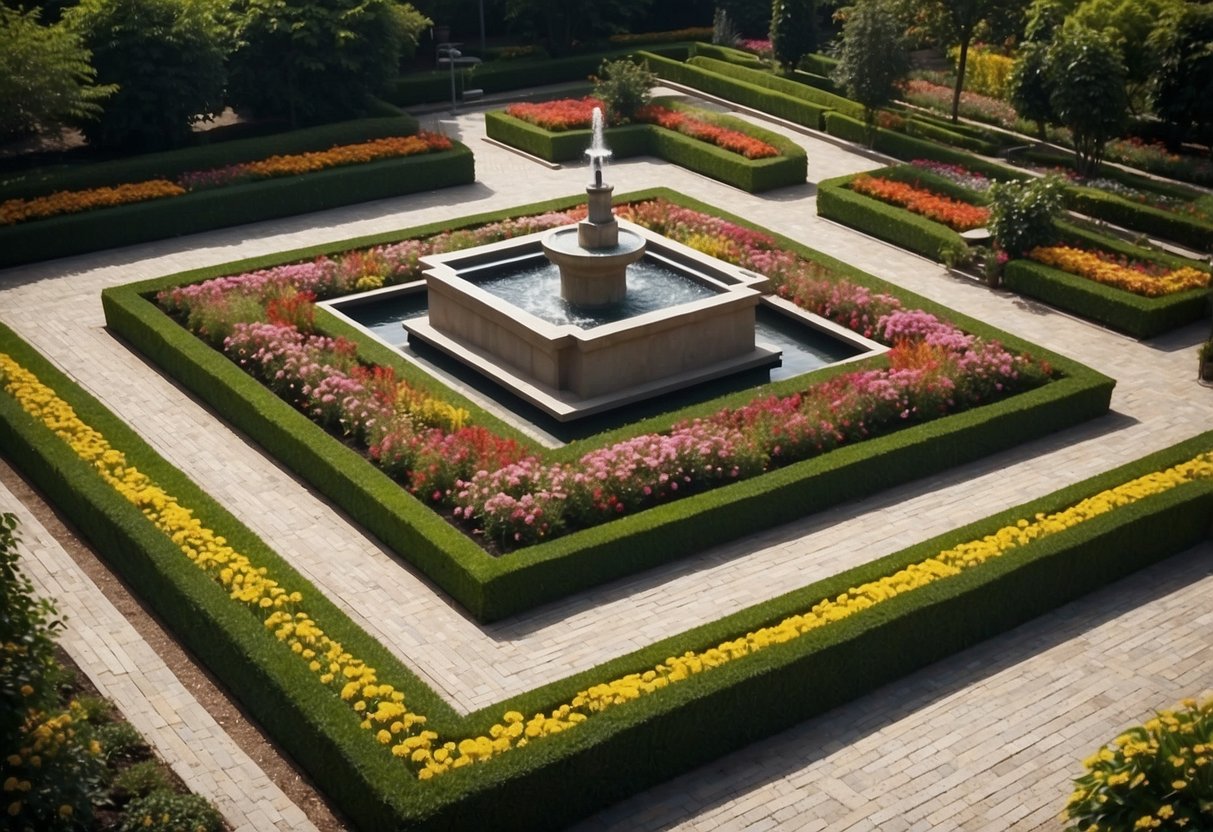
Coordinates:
x,y
569,371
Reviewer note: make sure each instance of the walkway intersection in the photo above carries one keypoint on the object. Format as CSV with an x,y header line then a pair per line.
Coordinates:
x,y
986,740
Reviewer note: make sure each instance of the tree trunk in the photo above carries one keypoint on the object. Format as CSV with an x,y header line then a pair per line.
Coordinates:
x,y
960,79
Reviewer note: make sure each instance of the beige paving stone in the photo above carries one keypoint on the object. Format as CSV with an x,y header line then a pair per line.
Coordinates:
x,y
56,306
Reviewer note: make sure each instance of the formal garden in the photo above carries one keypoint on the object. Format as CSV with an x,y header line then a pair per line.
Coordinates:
x,y
1004,184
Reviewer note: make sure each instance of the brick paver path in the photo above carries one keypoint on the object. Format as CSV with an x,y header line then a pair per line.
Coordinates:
x,y
987,740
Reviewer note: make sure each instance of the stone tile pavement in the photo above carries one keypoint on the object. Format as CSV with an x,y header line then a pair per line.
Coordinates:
x,y
988,740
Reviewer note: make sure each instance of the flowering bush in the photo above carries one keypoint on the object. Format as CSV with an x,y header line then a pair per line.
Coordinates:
x,y
1154,157
1140,278
72,202
1156,775
960,216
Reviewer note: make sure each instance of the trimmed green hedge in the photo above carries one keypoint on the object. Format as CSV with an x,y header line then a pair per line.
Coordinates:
x,y
560,778
909,148
752,175
726,53
434,86
773,102
1123,311
1156,222
491,588
172,163
140,222
768,80
836,201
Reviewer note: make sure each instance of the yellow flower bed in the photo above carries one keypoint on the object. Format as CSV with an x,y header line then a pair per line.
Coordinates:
x,y
381,706
72,202
1092,266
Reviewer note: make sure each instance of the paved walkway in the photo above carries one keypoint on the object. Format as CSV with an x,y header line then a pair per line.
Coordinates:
x,y
987,740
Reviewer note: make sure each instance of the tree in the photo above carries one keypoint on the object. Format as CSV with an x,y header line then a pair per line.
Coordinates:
x,y
961,19
166,58
1129,23
568,21
312,61
872,59
1028,86
46,80
1183,81
1087,91
793,31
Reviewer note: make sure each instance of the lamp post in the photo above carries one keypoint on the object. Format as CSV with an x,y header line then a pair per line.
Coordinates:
x,y
448,52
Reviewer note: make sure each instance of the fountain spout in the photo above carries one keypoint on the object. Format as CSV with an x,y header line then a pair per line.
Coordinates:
x,y
593,272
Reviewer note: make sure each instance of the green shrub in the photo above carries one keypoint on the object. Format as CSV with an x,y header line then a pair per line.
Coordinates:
x,y
1155,775
779,83
162,811
119,741
1022,214
624,87
1156,222
142,778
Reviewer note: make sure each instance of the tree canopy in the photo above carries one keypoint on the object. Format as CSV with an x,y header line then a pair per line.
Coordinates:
x,y
1087,90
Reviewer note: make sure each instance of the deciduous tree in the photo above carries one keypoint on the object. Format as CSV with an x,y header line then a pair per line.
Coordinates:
x,y
1087,91
872,59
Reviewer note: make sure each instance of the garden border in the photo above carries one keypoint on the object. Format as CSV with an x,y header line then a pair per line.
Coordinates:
x,y
491,588
205,210
610,756
790,167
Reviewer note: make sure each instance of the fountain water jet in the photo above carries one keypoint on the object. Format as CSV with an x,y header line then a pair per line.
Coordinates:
x,y
594,256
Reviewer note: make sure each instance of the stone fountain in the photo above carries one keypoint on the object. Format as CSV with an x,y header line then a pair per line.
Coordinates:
x,y
593,257
596,354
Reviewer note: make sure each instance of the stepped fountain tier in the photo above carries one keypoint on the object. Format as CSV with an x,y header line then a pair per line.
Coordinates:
x,y
634,315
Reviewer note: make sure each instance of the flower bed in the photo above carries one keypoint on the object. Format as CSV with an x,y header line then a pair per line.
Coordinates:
x,y
958,174
392,754
70,202
938,98
1141,278
959,216
494,586
575,114
517,499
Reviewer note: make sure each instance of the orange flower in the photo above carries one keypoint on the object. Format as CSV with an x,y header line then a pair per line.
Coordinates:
x,y
960,216
71,202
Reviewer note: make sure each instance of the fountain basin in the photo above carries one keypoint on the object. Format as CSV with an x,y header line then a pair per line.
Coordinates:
x,y
571,371
592,276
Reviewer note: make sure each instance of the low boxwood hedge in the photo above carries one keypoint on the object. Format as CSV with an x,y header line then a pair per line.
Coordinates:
x,y
493,587
204,210
752,175
908,148
561,778
836,201
773,102
1123,311
1155,222
768,80
172,163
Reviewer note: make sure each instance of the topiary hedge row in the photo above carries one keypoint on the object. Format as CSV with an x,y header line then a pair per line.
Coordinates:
x,y
768,80
1123,311
836,201
909,148
752,175
559,778
1156,222
493,587
773,102
204,210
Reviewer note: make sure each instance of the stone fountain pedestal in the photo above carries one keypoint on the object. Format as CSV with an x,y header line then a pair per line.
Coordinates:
x,y
593,256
